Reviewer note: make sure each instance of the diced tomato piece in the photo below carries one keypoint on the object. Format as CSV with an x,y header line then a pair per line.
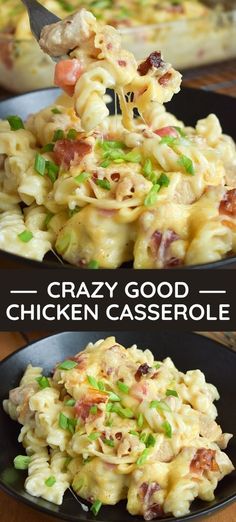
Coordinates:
x,y
204,460
66,75
167,131
228,203
66,151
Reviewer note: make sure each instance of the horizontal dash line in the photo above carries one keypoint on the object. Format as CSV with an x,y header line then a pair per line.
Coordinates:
x,y
23,291
212,291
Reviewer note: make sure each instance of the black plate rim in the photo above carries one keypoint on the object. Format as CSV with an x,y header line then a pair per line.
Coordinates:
x,y
10,491
222,263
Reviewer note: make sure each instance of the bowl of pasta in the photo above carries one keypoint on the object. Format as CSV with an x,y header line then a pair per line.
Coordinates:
x,y
101,183
115,431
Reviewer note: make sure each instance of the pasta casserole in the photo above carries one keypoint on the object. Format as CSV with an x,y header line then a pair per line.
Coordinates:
x,y
116,424
102,190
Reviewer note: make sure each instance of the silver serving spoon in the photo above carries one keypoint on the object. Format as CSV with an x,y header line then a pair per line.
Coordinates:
x,y
39,16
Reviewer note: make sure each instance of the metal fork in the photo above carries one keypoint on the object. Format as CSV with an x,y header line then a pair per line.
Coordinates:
x,y
39,16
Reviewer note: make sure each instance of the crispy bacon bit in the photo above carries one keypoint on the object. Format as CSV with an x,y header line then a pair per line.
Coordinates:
x,y
159,246
139,390
164,80
81,360
82,407
143,369
6,52
204,460
153,60
150,511
118,435
66,151
115,176
167,131
228,203
122,63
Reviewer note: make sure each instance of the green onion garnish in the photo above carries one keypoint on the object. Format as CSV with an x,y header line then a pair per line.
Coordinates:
x,y
71,423
92,381
25,236
168,140
58,135
93,410
143,437
159,405
109,406
133,157
93,264
179,129
96,506
69,8
50,481
94,436
171,392
72,134
67,365
187,163
151,197
52,170
43,382
105,163
70,402
82,177
101,385
15,122
148,172
150,441
113,397
111,144
78,484
48,218
135,433
140,420
163,180
109,442
125,413
123,387
40,164
21,462
167,429
157,365
143,457
55,110
63,421
73,211
103,183
49,147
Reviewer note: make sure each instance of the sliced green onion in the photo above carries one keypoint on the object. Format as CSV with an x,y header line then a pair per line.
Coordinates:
x,y
143,457
15,122
70,402
67,365
93,264
92,381
58,135
101,385
163,180
48,218
105,163
167,429
123,387
109,406
109,442
103,183
179,129
134,433
25,236
94,436
168,140
55,110
63,421
52,170
148,172
43,382
73,211
111,144
151,197
93,410
40,164
82,177
133,157
187,163
157,365
69,8
49,147
67,462
140,420
21,462
125,413
143,437
159,405
78,484
150,441
171,392
71,423
113,397
96,506
72,134
50,481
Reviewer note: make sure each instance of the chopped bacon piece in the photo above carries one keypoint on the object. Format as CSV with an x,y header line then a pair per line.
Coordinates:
x,y
82,407
122,63
67,73
159,246
164,80
228,203
66,151
167,131
154,511
204,460
143,369
153,60
139,390
150,510
175,8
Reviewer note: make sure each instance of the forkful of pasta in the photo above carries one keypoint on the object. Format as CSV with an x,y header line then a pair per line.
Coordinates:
x,y
95,61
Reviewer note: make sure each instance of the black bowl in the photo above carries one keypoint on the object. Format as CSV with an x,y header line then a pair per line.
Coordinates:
x,y
217,362
189,105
